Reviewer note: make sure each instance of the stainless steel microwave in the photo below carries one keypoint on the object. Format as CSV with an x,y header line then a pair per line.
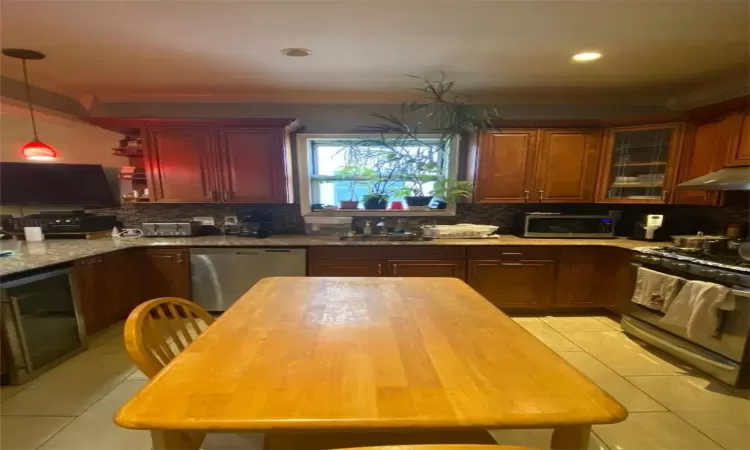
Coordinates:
x,y
567,226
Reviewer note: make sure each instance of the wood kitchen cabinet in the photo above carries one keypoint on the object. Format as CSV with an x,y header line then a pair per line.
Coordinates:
x,y
427,268
580,276
514,277
252,166
739,151
514,284
165,273
387,261
179,164
567,166
639,163
537,165
710,144
505,166
347,268
214,160
108,288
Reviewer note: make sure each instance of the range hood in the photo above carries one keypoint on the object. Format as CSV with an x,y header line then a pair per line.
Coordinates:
x,y
733,179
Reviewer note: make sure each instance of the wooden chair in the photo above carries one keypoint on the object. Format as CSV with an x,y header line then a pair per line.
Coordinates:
x,y
160,329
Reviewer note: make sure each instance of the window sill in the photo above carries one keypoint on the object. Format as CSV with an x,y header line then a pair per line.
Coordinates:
x,y
450,211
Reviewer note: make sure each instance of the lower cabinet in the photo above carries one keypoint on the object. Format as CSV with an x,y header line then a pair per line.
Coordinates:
x,y
535,277
580,276
346,268
387,262
427,268
108,288
165,273
514,284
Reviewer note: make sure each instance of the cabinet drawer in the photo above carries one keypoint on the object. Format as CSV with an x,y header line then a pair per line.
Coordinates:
x,y
388,252
513,253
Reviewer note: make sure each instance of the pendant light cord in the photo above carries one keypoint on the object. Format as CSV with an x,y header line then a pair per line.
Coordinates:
x,y
28,96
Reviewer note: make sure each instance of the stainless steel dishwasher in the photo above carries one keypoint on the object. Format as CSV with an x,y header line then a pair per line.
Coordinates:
x,y
221,275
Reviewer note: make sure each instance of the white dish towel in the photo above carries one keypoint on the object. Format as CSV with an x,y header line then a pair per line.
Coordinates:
x,y
655,290
697,306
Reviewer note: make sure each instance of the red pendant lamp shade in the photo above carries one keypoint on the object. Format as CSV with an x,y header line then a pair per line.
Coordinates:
x,y
38,151
34,150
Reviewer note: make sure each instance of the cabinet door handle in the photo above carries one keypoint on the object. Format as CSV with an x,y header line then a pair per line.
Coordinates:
x,y
380,269
511,253
526,195
395,269
510,264
541,195
664,195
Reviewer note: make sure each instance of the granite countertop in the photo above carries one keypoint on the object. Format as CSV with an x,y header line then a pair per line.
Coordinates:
x,y
33,255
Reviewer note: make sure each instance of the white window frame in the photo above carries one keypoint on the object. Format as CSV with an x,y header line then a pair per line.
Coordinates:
x,y
304,156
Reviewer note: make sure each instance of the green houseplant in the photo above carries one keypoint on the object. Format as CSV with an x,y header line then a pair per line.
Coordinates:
x,y
414,160
450,190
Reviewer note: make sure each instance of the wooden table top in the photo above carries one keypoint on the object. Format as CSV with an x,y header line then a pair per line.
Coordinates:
x,y
303,353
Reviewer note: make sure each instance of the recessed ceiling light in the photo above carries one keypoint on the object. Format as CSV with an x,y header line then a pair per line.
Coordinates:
x,y
296,51
586,56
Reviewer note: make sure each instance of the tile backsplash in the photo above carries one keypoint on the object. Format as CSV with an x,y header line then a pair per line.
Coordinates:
x,y
287,218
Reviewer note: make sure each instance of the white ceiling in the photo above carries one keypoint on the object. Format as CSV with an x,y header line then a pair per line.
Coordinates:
x,y
177,49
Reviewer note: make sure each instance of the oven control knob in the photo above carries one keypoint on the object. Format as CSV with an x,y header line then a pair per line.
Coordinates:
x,y
730,277
654,259
709,272
682,266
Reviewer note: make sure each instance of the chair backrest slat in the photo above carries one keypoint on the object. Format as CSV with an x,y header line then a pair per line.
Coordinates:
x,y
158,330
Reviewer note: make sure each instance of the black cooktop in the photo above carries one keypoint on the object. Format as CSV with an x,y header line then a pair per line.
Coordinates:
x,y
728,261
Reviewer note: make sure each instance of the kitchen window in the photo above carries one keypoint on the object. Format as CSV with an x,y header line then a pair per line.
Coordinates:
x,y
338,171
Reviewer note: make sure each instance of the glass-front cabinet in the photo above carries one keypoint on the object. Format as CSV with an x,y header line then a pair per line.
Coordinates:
x,y
640,163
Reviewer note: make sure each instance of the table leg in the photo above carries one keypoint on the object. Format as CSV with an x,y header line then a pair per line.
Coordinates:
x,y
571,437
176,440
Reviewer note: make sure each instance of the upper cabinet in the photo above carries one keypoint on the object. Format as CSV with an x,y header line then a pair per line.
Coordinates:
x,y
567,166
505,166
179,164
214,160
639,164
251,166
537,165
706,149
739,151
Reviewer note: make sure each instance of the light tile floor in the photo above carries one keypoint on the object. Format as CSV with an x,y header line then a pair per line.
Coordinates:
x,y
671,407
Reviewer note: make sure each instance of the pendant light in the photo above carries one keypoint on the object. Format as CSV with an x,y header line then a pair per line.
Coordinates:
x,y
34,150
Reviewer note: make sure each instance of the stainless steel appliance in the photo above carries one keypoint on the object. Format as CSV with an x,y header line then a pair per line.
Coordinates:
x,y
731,179
63,222
170,229
722,354
221,275
551,225
41,322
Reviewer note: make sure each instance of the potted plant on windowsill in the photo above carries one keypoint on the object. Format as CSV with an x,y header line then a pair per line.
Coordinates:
x,y
356,175
375,201
448,190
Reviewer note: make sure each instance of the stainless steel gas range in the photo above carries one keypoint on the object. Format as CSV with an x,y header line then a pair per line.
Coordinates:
x,y
723,355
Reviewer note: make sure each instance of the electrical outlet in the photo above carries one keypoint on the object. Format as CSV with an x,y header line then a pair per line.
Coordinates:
x,y
230,220
205,220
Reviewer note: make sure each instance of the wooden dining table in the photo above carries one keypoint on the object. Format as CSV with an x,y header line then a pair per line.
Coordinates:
x,y
323,362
